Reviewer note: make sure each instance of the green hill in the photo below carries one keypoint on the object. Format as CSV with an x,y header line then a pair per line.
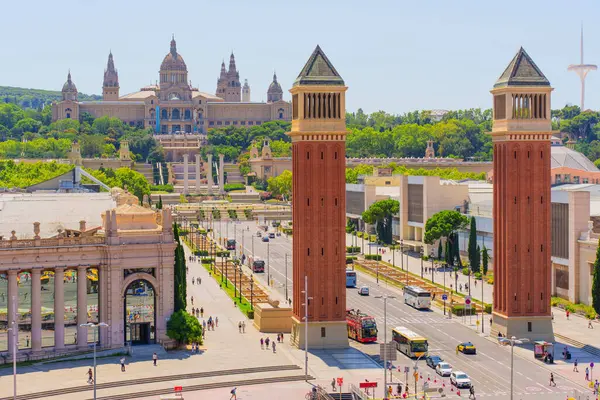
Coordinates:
x,y
35,98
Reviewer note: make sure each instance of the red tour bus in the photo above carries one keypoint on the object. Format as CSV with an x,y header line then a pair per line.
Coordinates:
x,y
361,327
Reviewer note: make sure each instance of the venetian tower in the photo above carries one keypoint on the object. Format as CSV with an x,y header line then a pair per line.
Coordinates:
x,y
522,242
110,86
318,136
246,92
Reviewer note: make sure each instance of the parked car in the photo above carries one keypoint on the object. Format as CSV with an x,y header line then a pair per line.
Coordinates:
x,y
433,360
460,379
443,369
363,291
271,235
265,239
467,348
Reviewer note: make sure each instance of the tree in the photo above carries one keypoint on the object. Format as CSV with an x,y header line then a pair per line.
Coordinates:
x,y
473,249
477,259
446,224
596,282
281,185
184,328
448,258
381,213
179,281
439,250
484,260
159,204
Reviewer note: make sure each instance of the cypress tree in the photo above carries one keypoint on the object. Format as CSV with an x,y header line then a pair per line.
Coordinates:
x,y
179,278
448,253
440,249
159,204
456,250
596,282
484,260
472,247
477,260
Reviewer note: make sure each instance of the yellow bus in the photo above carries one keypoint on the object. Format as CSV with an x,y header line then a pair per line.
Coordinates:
x,y
408,342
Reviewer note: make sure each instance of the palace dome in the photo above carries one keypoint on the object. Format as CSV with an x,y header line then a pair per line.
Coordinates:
x,y
275,87
69,86
173,60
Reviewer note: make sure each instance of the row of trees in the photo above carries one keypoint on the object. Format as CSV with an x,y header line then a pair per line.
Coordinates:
x,y
35,98
353,173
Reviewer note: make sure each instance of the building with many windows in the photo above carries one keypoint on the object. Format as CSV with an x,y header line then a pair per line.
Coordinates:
x,y
173,105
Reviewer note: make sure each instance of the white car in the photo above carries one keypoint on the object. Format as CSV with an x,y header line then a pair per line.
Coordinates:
x,y
460,379
443,369
363,291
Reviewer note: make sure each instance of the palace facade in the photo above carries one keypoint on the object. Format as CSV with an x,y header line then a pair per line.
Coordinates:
x,y
173,106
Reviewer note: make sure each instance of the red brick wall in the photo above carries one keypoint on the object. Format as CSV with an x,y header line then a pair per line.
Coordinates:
x,y
319,193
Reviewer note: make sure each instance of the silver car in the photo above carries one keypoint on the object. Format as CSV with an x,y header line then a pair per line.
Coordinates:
x,y
443,369
460,379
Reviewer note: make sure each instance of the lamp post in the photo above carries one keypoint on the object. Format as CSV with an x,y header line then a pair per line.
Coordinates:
x,y
240,291
252,291
268,263
394,255
385,299
432,268
95,327
286,279
445,265
421,262
401,253
305,304
14,330
512,341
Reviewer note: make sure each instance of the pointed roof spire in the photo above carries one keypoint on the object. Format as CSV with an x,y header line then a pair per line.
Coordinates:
x,y
232,67
274,76
69,76
173,46
522,71
318,70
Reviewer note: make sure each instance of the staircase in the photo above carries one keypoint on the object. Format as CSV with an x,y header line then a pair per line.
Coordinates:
x,y
146,170
233,173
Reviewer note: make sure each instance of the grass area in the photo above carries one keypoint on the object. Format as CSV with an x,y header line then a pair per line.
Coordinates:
x,y
577,308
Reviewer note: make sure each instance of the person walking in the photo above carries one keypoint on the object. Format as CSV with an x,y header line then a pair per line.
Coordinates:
x,y
197,312
399,389
233,394
262,343
587,374
90,375
568,313
333,384
203,326
154,358
199,281
267,343
243,326
575,366
240,326
273,347
192,298
217,321
122,364
202,312
552,383
590,326
472,392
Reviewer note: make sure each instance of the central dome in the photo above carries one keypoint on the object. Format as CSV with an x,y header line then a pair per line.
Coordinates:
x,y
173,60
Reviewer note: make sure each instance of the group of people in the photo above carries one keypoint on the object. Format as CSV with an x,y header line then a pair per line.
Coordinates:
x,y
210,324
198,313
197,280
242,326
264,343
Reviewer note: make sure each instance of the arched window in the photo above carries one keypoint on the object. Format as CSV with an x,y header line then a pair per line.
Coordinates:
x,y
164,114
281,112
139,312
175,114
187,114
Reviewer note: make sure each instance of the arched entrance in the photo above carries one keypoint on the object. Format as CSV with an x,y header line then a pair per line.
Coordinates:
x,y
139,309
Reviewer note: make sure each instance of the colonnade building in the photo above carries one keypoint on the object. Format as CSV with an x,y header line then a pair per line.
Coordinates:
x,y
173,105
115,265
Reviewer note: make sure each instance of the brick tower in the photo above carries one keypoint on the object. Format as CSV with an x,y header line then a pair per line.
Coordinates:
x,y
522,242
318,165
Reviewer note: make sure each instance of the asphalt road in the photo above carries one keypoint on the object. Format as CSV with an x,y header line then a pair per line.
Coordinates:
x,y
489,369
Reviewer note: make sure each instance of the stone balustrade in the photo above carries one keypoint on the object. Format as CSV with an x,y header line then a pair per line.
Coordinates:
x,y
53,242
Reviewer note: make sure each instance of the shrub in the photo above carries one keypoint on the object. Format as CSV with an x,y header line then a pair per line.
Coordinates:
x,y
350,260
349,229
460,310
490,280
184,328
161,188
216,214
201,253
248,213
578,308
207,260
487,308
232,214
425,258
287,231
376,257
352,249
477,275
372,238
222,254
359,234
228,187
465,271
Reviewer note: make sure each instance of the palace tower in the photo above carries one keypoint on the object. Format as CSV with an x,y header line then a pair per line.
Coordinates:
x,y
110,85
318,136
521,138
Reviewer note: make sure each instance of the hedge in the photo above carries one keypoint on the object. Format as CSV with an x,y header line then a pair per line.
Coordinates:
x,y
460,310
465,271
477,275
248,213
287,231
577,308
352,249
376,257
359,234
228,187
350,260
201,253
207,260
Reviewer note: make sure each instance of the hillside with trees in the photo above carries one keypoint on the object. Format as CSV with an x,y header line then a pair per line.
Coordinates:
x,y
35,98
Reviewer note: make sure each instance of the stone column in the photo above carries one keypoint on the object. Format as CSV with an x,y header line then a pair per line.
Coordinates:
x,y
197,173
13,305
209,175
81,306
221,174
59,308
36,309
186,157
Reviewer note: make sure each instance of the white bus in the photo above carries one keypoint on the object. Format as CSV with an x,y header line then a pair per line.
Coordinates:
x,y
417,297
408,342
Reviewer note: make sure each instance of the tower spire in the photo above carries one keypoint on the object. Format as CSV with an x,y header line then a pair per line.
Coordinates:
x,y
582,69
173,46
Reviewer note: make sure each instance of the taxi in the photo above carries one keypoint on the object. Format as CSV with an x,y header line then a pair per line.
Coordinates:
x,y
466,348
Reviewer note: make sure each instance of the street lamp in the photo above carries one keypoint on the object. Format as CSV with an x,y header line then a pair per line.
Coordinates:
x,y
252,291
432,267
421,262
512,341
286,279
385,299
268,263
95,327
14,330
401,253
305,318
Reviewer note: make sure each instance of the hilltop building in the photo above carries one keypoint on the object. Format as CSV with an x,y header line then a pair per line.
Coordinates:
x,y
173,105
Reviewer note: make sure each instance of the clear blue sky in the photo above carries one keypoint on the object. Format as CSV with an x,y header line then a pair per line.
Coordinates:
x,y
395,55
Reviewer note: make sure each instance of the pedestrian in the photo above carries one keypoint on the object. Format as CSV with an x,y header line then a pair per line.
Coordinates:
x,y
240,326
278,338
568,313
233,395
122,364
217,321
460,287
281,337
333,384
587,374
596,384
476,283
273,347
27,342
197,312
154,358
193,281
575,366
590,326
192,300
490,321
203,326
199,281
472,392
262,343
90,375
552,383
399,389
202,312
243,326
267,343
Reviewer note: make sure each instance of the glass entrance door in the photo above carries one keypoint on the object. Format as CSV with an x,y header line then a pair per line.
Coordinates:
x,y
140,333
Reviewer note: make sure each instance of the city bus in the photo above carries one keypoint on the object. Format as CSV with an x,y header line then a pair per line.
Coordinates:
x,y
350,278
409,342
230,244
361,327
417,297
